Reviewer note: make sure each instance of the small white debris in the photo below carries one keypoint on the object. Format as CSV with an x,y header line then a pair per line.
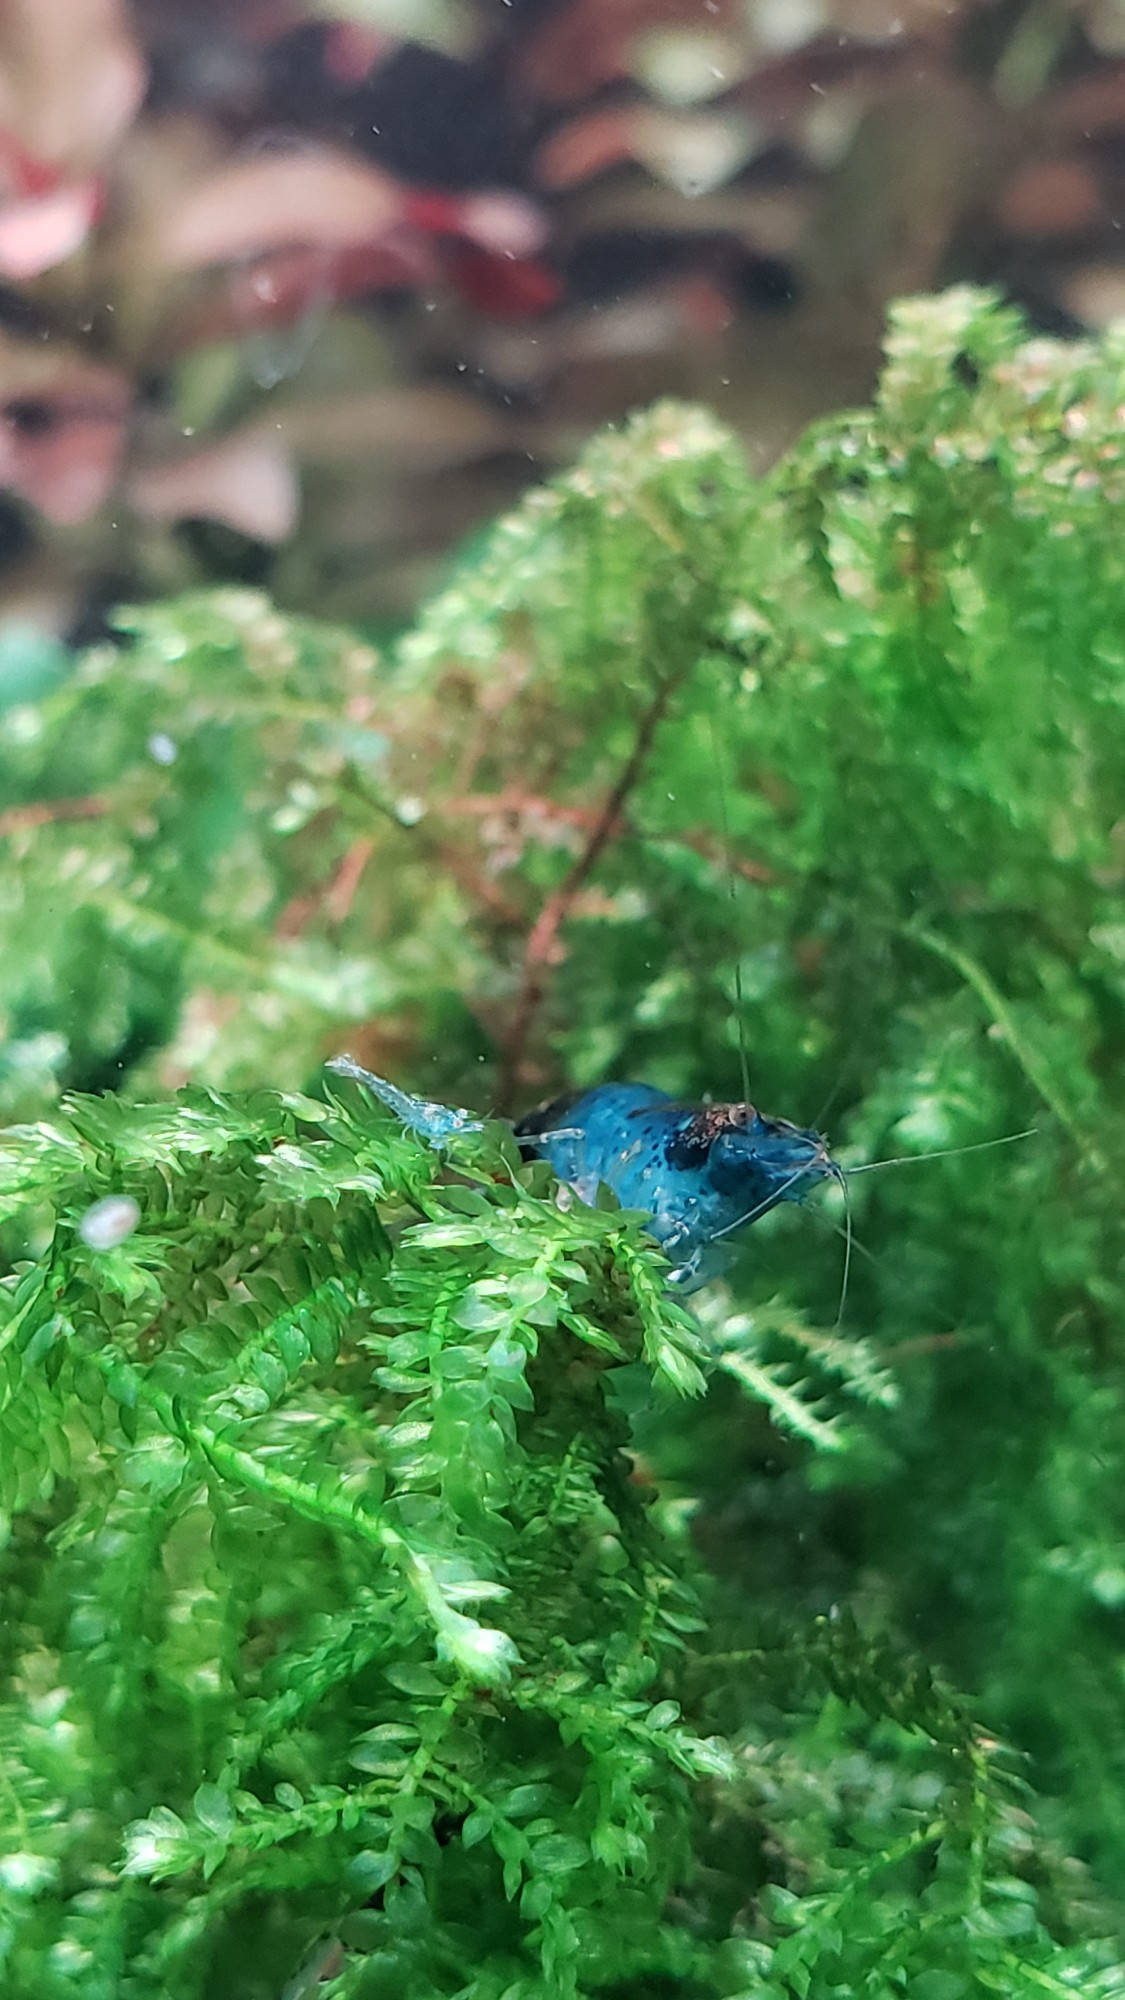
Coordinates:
x,y
109,1222
161,748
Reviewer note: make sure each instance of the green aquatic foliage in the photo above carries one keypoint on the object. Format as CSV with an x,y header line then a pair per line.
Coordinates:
x,y
328,1445
344,1644
350,1604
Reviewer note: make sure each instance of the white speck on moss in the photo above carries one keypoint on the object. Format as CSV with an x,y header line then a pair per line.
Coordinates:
x,y
107,1223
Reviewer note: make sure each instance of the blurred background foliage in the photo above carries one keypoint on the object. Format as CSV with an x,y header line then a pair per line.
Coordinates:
x,y
297,294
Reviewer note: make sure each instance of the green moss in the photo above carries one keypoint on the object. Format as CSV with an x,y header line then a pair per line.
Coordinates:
x,y
336,1625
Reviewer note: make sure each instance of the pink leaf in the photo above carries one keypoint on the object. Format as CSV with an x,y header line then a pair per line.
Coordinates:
x,y
71,79
246,480
44,230
62,429
276,200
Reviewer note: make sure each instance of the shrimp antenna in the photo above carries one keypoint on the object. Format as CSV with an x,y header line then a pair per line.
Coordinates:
x,y
859,1247
732,892
819,1121
840,1178
770,1201
943,1153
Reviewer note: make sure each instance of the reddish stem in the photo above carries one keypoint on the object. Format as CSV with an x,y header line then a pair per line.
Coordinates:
x,y
540,949
45,812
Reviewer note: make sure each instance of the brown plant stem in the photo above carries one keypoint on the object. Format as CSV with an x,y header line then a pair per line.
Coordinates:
x,y
540,948
44,812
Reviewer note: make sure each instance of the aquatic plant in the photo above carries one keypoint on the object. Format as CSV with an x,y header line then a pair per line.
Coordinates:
x,y
355,1629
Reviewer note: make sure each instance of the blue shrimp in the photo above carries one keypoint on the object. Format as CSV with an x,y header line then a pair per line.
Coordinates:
x,y
436,1123
700,1173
